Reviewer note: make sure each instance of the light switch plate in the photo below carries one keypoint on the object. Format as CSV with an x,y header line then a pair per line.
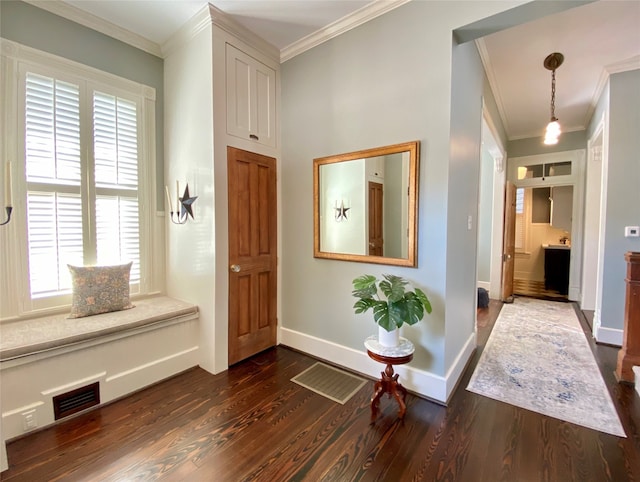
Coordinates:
x,y
631,231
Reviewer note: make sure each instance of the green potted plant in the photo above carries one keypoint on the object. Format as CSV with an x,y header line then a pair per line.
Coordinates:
x,y
392,304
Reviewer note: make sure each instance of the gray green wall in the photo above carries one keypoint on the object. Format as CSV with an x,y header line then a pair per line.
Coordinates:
x,y
31,26
385,82
622,192
533,146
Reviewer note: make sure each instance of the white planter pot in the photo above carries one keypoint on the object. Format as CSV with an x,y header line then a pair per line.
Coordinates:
x,y
388,338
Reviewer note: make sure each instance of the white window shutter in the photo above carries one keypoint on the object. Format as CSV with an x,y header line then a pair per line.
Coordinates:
x,y
54,222
116,168
52,146
52,131
82,202
118,235
520,225
115,141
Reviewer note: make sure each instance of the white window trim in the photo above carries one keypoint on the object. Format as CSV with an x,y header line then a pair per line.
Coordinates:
x,y
15,300
526,220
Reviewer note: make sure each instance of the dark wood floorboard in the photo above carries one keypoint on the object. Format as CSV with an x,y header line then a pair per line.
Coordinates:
x,y
251,423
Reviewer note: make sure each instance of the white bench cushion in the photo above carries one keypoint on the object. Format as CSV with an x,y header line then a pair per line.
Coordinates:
x,y
25,337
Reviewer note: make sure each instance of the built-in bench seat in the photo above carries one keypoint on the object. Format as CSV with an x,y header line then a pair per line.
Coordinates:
x,y
22,338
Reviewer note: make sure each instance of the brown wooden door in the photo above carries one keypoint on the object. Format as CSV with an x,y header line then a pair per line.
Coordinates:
x,y
252,253
509,242
376,239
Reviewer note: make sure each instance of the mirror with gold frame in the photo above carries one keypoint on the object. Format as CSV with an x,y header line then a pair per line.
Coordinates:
x,y
365,205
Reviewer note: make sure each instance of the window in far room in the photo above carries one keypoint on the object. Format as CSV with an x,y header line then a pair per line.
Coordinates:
x,y
520,238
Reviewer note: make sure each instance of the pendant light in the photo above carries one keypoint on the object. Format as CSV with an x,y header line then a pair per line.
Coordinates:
x,y
552,62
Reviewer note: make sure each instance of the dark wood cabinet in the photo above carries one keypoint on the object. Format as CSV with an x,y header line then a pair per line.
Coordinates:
x,y
556,269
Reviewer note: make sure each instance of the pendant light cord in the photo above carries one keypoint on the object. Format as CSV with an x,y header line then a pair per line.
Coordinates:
x,y
553,94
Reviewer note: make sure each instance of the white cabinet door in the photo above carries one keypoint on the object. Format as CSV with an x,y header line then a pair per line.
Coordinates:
x,y
251,98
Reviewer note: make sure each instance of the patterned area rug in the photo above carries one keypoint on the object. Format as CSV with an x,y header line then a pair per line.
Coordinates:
x,y
538,358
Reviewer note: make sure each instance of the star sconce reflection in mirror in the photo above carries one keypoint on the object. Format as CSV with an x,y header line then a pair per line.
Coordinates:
x,y
341,211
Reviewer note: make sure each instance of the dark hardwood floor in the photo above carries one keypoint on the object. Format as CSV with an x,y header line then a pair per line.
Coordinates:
x,y
251,423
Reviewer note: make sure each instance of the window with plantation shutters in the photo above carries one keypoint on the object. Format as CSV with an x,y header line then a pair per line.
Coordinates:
x,y
520,221
81,144
81,170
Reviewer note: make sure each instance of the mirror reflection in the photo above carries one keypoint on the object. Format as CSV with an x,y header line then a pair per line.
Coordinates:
x,y
365,205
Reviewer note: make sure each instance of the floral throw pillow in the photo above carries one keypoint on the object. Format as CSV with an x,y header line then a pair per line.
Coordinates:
x,y
99,289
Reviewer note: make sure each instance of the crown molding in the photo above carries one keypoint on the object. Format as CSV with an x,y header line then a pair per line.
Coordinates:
x,y
632,63
493,83
187,32
231,26
95,23
340,26
210,15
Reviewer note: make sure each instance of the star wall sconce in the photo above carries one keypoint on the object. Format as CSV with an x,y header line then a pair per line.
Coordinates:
x,y
341,211
184,205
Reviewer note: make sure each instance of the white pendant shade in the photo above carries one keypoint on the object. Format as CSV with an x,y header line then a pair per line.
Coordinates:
x,y
552,133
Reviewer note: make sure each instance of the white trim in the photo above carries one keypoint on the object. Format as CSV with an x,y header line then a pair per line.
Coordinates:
x,y
434,387
484,284
98,24
340,26
24,54
227,23
636,372
623,66
497,151
116,364
55,391
626,65
454,375
577,180
593,193
196,24
609,336
210,15
493,83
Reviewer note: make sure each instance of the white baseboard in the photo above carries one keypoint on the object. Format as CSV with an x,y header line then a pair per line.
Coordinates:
x,y
455,372
121,366
125,382
608,336
4,463
636,372
574,293
484,284
111,388
423,383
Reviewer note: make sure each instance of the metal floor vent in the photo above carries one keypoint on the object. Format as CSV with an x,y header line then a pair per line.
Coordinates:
x,y
330,382
76,400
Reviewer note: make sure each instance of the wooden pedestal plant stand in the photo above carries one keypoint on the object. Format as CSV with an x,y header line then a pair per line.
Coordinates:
x,y
392,305
629,355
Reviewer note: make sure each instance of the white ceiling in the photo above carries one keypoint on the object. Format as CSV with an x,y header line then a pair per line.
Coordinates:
x,y
594,37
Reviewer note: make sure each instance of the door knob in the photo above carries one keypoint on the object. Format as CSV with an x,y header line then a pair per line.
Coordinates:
x,y
235,268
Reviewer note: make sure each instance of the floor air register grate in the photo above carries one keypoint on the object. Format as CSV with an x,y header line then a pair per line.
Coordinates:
x,y
329,382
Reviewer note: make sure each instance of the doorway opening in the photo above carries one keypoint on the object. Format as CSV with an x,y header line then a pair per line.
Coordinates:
x,y
543,242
